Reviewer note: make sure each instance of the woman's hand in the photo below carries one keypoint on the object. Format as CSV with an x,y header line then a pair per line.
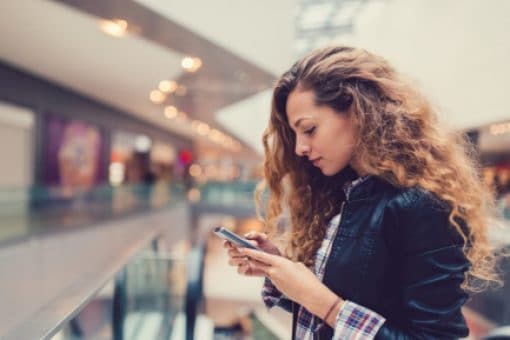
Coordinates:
x,y
259,240
293,279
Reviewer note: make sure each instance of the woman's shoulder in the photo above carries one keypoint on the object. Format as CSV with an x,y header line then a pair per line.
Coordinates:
x,y
404,197
416,199
419,218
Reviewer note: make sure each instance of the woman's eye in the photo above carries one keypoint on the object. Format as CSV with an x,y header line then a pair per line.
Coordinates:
x,y
309,131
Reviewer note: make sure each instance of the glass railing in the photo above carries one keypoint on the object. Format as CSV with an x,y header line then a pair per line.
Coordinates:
x,y
235,194
25,212
41,209
141,302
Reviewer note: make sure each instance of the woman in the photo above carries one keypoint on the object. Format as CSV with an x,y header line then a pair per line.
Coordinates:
x,y
388,214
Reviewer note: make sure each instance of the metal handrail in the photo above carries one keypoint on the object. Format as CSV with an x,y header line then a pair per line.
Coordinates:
x,y
194,291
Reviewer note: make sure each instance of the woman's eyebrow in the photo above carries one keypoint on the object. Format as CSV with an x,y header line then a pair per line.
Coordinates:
x,y
297,122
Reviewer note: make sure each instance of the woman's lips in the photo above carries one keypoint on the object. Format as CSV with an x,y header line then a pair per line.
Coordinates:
x,y
316,162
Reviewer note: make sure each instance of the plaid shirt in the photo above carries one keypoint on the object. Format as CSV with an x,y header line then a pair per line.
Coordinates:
x,y
352,322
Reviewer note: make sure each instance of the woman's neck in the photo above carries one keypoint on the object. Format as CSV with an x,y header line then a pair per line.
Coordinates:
x,y
360,171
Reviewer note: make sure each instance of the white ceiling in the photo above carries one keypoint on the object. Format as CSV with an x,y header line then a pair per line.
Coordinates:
x,y
249,118
259,31
66,46
458,52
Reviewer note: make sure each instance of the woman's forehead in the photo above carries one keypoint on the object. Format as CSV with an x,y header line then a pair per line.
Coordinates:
x,y
299,105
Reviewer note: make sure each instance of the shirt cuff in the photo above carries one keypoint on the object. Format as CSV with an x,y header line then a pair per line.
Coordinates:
x,y
270,294
357,322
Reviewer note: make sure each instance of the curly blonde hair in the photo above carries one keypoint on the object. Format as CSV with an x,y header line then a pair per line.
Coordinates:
x,y
399,140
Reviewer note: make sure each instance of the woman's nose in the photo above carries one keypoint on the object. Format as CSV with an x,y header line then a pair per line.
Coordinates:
x,y
302,149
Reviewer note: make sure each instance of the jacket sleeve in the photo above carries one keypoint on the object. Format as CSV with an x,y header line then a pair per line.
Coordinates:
x,y
432,267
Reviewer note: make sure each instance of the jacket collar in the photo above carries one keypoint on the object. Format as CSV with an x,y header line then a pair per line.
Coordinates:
x,y
364,188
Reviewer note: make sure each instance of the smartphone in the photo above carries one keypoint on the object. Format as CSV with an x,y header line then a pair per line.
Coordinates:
x,y
234,238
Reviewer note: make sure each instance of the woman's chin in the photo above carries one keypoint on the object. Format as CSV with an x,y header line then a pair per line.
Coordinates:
x,y
346,171
327,172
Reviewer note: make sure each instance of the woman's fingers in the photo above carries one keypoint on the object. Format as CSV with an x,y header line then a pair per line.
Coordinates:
x,y
235,257
252,268
246,264
241,268
227,244
263,242
258,267
256,238
236,261
253,272
255,235
261,256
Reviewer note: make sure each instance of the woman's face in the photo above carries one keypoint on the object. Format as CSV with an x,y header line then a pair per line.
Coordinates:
x,y
325,136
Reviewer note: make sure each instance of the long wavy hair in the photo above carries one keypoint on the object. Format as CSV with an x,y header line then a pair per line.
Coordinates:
x,y
399,140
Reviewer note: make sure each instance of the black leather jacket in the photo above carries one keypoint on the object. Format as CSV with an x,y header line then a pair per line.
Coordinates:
x,y
396,253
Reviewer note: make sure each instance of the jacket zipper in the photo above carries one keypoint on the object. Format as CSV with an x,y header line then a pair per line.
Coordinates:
x,y
331,248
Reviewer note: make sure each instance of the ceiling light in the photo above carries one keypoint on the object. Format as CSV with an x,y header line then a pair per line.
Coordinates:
x,y
167,86
187,62
191,64
116,28
203,129
170,112
157,97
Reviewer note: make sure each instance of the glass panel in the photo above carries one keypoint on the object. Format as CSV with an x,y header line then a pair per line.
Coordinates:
x,y
238,194
40,209
149,293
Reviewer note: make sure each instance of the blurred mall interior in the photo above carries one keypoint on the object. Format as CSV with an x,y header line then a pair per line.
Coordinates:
x,y
129,129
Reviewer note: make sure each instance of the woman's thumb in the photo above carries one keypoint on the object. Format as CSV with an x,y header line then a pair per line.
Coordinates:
x,y
253,235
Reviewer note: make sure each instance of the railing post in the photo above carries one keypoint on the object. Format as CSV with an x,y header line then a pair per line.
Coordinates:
x,y
119,305
194,293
